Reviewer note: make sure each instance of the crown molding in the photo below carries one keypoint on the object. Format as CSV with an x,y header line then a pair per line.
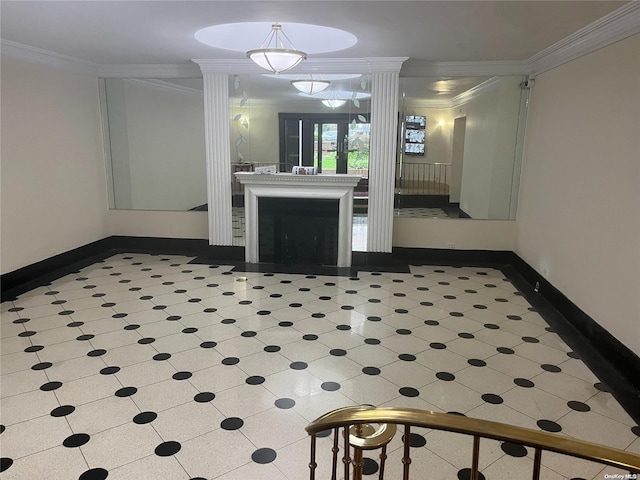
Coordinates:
x,y
619,24
429,103
465,69
227,66
475,92
165,86
460,99
312,65
48,58
150,71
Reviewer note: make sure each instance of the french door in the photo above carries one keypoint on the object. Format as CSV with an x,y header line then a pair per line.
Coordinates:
x,y
333,143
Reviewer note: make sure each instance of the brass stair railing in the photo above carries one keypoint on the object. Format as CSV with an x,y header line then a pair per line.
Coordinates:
x,y
358,433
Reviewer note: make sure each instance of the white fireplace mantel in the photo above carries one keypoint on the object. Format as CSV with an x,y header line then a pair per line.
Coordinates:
x,y
286,185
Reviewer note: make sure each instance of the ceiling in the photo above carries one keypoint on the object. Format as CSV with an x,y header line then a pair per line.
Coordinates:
x,y
161,32
134,33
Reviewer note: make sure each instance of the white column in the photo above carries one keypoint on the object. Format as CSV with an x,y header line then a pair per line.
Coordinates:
x,y
218,156
382,160
384,119
345,229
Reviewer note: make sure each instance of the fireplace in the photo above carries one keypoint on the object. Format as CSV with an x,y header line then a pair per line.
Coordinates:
x,y
300,230
293,190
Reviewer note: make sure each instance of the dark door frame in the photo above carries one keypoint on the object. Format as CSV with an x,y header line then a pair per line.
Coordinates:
x,y
308,120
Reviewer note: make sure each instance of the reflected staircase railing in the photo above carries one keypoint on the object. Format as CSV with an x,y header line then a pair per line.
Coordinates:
x,y
423,178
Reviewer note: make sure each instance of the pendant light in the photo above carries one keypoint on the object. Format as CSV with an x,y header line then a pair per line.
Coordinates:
x,y
311,86
274,54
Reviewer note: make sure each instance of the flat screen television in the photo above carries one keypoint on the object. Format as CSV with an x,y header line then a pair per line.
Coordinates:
x,y
414,136
414,148
415,122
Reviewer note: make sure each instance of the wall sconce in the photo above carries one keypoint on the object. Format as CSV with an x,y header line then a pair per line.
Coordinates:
x,y
242,120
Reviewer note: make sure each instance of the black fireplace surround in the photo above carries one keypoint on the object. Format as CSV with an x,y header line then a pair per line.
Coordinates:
x,y
298,230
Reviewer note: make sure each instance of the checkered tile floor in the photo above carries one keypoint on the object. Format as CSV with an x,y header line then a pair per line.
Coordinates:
x,y
420,212
148,367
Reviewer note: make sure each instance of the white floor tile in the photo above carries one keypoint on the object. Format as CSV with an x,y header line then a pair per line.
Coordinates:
x,y
120,445
150,468
403,337
57,463
188,421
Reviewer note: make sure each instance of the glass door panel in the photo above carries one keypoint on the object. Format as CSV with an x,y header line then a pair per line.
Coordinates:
x,y
326,146
333,143
358,149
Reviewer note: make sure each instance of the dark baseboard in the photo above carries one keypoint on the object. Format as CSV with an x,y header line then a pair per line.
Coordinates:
x,y
608,358
160,246
420,201
360,259
41,273
464,214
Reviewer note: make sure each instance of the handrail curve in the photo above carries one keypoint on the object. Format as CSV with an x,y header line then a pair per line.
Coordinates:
x,y
478,428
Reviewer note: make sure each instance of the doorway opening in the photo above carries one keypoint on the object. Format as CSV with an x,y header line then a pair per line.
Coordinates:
x,y
334,143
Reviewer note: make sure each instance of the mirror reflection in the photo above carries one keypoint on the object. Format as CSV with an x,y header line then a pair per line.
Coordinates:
x,y
460,147
459,139
273,123
156,143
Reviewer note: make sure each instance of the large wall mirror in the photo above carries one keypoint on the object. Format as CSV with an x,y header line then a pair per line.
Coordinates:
x,y
460,147
154,133
275,124
459,140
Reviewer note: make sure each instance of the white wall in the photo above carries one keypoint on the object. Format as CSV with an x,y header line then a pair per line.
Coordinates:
x,y
504,157
263,144
457,159
138,223
463,233
53,176
118,138
578,216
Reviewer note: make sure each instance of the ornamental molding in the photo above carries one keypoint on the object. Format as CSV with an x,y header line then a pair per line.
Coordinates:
x,y
289,179
45,57
617,25
312,65
461,99
160,70
312,187
165,86
465,69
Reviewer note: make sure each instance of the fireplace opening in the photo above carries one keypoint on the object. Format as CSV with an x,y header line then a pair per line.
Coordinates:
x,y
298,230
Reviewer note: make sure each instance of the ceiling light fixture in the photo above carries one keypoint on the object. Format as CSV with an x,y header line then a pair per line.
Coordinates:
x,y
333,102
274,55
311,86
332,99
